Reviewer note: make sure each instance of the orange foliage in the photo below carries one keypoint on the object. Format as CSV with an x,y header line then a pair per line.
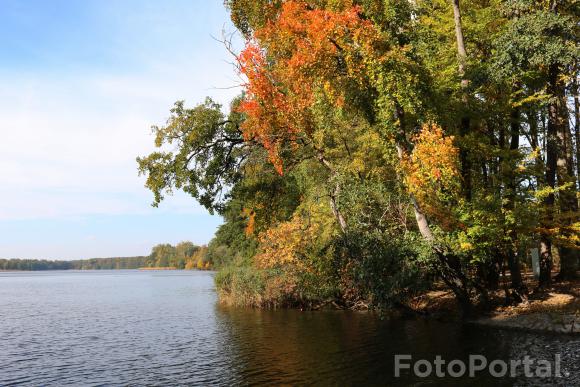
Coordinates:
x,y
263,104
303,51
250,226
432,171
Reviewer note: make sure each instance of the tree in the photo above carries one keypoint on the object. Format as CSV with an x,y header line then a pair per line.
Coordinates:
x,y
184,251
210,151
368,122
538,43
162,255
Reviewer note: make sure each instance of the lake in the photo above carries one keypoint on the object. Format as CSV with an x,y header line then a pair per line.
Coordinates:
x,y
166,328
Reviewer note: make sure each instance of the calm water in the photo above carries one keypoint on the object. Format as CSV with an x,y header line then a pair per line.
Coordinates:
x,y
165,328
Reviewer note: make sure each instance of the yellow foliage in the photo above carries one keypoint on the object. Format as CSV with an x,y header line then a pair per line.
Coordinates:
x,y
285,244
564,230
466,246
197,260
432,171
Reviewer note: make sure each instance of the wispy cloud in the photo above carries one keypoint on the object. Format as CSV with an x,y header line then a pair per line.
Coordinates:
x,y
71,128
68,145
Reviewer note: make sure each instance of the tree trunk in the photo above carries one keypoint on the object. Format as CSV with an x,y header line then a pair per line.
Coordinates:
x,y
519,289
546,260
572,269
459,37
569,257
334,194
576,123
558,115
335,210
464,126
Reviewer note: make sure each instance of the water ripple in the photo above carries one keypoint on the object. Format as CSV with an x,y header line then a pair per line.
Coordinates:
x,y
147,328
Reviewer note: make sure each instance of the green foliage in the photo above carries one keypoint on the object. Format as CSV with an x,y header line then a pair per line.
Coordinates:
x,y
247,15
533,40
381,269
231,245
208,150
382,261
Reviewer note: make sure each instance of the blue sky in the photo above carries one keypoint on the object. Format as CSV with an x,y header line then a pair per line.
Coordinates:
x,y
81,84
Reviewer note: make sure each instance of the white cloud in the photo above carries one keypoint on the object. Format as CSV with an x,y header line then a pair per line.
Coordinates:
x,y
68,145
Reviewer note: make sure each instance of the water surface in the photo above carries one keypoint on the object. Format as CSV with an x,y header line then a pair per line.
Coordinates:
x,y
165,328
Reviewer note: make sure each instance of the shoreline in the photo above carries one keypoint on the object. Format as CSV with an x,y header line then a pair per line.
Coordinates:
x,y
534,322
555,310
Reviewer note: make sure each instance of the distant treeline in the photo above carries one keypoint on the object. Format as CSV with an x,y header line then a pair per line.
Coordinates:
x,y
185,255
84,264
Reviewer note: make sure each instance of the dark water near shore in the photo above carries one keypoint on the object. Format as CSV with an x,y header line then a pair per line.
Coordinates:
x,y
166,328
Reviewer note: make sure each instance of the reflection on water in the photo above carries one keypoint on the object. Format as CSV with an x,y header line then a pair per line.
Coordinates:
x,y
130,327
355,348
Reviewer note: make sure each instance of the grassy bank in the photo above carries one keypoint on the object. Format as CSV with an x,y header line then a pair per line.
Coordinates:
x,y
554,309
271,288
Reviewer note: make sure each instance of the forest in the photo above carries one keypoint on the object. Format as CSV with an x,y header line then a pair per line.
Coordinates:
x,y
184,255
380,148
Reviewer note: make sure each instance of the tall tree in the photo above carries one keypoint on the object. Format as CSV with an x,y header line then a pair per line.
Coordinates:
x,y
559,127
464,125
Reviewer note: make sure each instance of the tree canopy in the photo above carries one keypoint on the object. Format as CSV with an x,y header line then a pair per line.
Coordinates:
x,y
379,146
